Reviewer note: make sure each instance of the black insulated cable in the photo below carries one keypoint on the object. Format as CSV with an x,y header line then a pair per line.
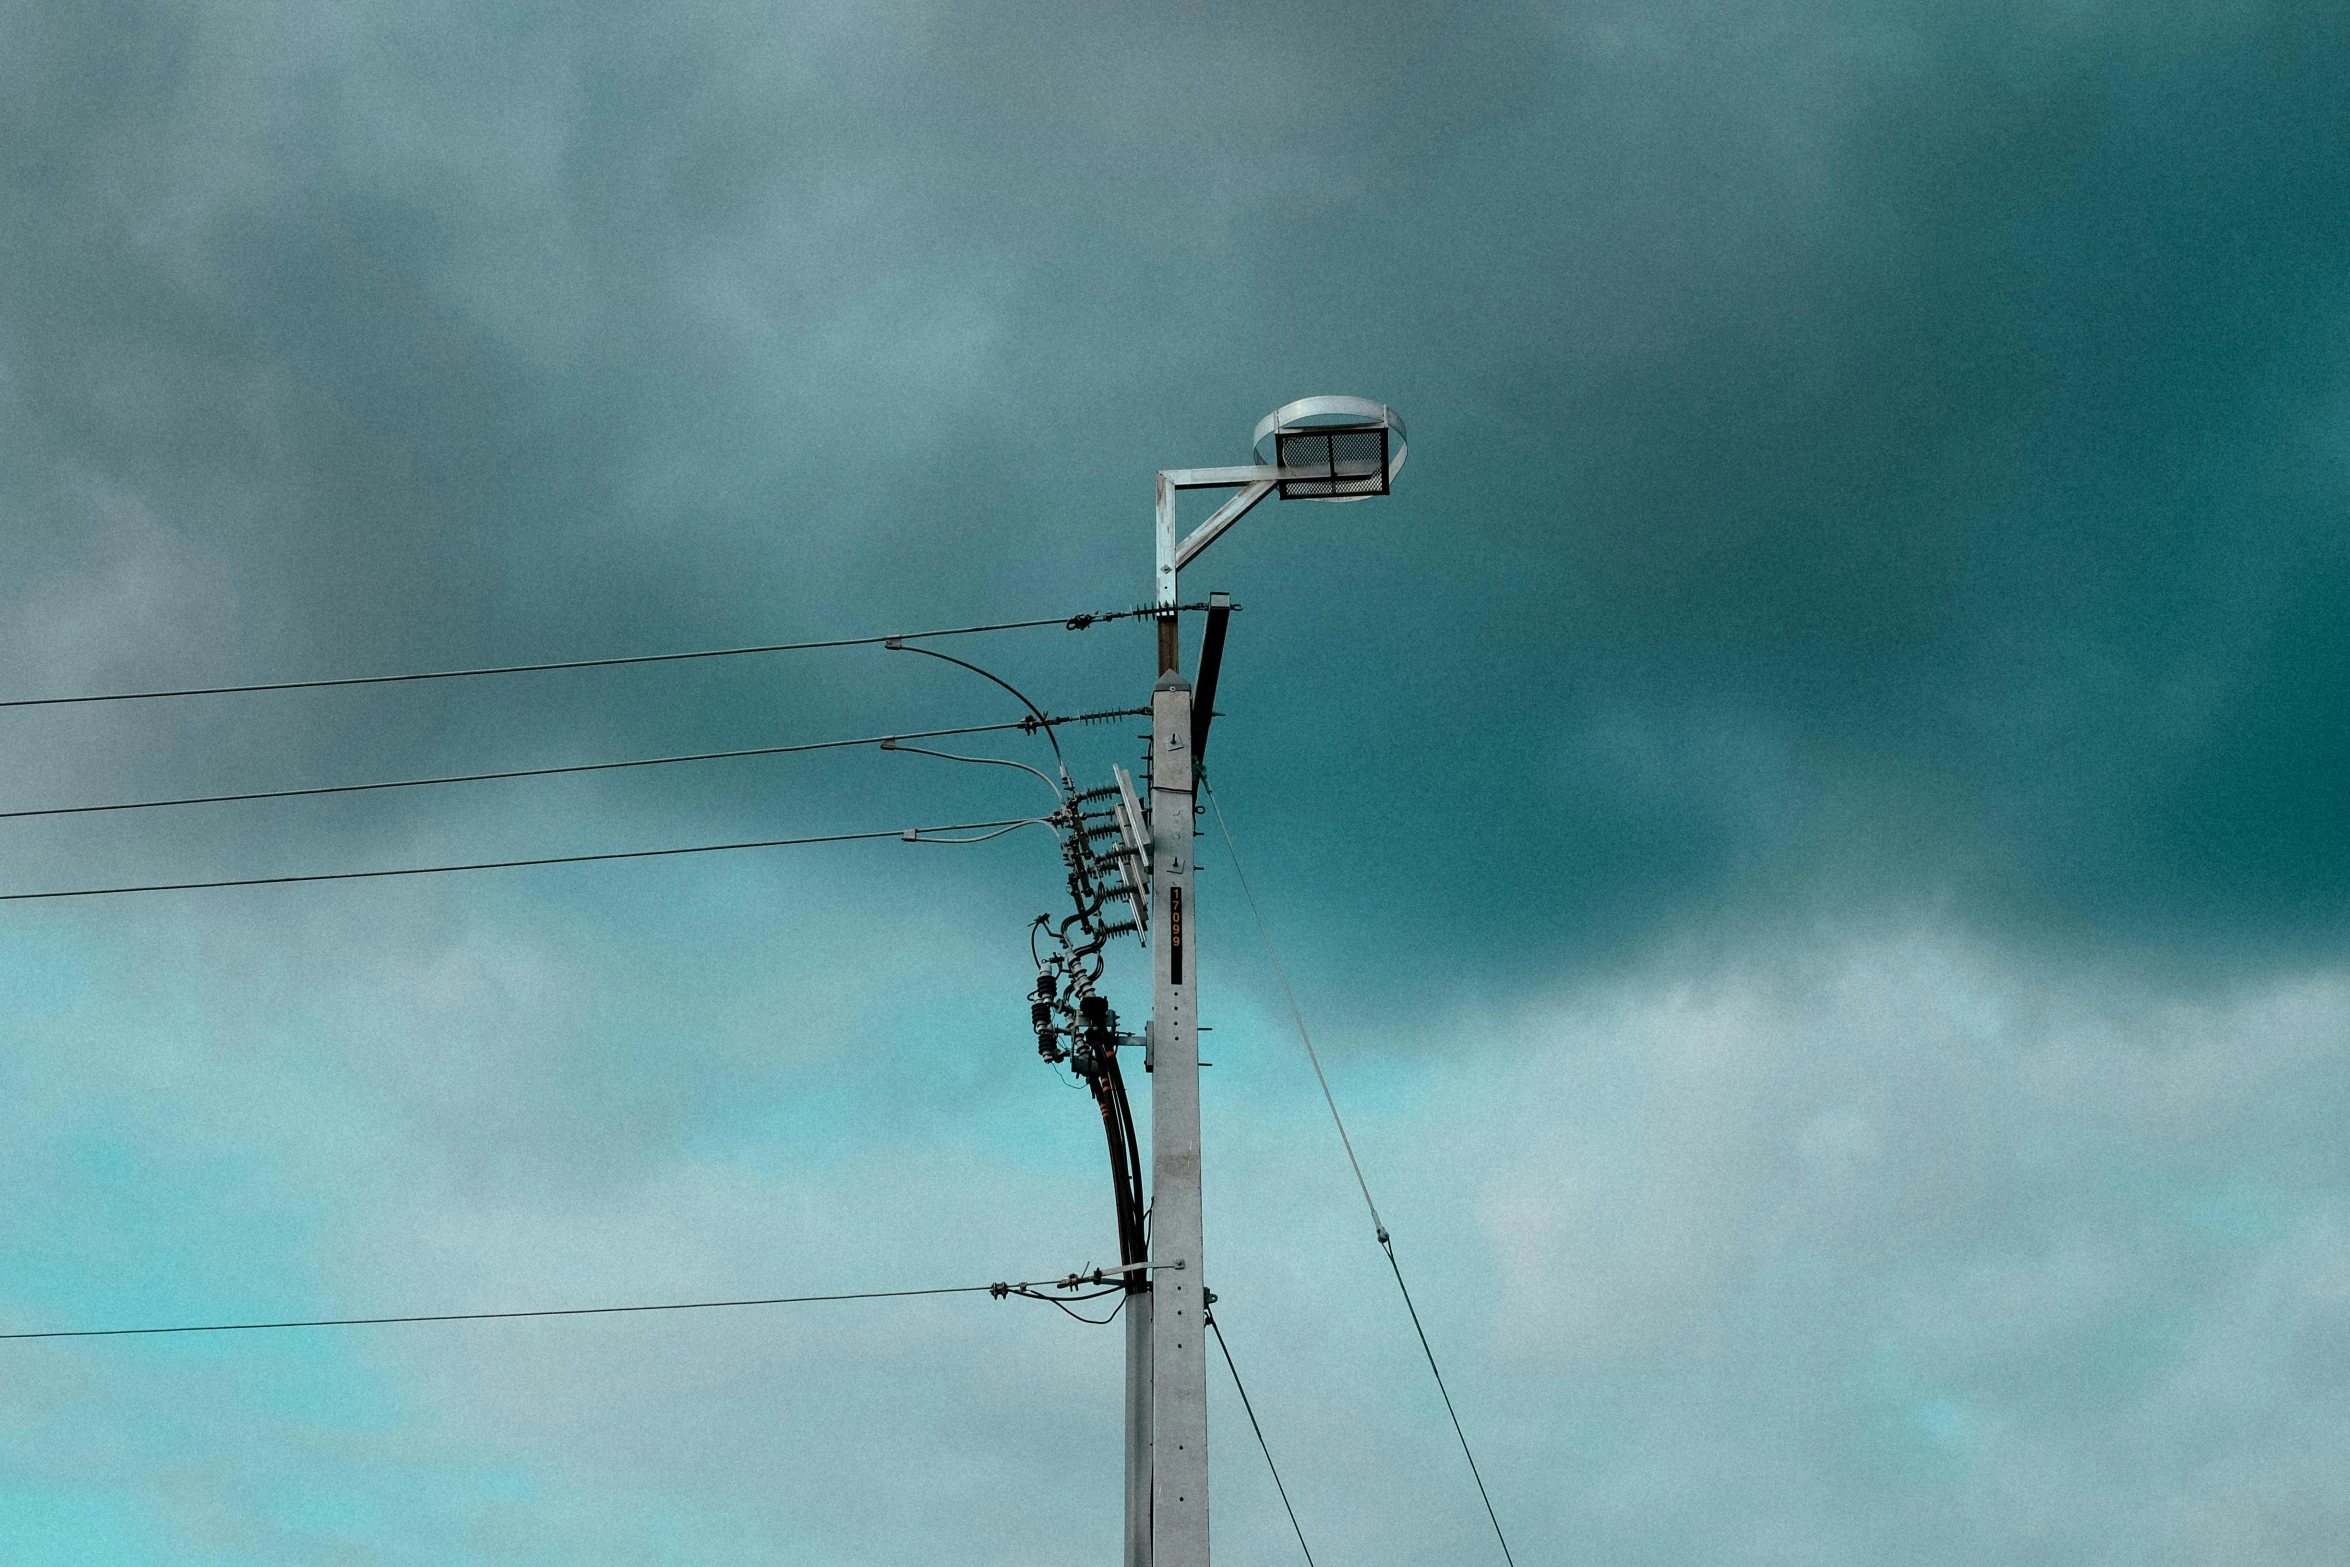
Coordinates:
x,y
1109,1093
1063,1307
898,645
1121,1174
1139,1280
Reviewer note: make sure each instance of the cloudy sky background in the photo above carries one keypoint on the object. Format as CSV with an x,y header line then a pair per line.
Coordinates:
x,y
1811,828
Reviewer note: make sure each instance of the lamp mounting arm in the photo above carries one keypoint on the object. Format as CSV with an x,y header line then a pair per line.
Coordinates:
x,y
1254,482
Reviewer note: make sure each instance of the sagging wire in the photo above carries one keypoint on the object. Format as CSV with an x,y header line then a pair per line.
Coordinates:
x,y
1092,1322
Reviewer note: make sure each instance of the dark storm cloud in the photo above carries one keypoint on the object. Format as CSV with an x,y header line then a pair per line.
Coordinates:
x,y
1925,423
1888,459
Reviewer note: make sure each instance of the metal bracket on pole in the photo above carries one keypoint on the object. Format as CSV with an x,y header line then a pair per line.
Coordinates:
x,y
1135,834
1254,482
1085,1276
1211,664
1166,539
1224,517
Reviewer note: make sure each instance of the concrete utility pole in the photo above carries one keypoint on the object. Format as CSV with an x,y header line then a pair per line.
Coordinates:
x,y
1179,1362
1320,448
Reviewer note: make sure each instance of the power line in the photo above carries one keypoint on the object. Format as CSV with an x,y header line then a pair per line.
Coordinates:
x,y
1071,622
898,645
1030,1290
1250,1410
1385,1244
495,1316
992,761
1028,725
908,834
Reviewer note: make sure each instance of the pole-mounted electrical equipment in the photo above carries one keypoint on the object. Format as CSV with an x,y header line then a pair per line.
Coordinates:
x,y
1135,847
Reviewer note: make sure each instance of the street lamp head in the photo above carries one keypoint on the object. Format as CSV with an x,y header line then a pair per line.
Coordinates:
x,y
1342,448
1315,449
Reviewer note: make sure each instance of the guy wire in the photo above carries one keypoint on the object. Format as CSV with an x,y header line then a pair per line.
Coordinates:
x,y
1380,1228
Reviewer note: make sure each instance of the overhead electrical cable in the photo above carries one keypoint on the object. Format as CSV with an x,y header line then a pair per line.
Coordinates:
x,y
1029,725
993,761
898,645
1069,622
492,1316
1251,1411
1031,1289
928,832
1385,1244
1091,1322
908,834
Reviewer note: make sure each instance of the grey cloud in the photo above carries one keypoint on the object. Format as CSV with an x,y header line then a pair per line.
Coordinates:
x,y
1938,1243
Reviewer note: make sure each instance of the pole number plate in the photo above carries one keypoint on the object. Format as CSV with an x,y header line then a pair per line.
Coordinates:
x,y
1175,934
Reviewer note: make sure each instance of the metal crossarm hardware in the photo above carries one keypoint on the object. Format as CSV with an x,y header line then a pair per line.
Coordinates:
x,y
1134,831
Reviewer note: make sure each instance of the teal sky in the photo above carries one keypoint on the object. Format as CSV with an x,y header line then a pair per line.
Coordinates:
x,y
1810,828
